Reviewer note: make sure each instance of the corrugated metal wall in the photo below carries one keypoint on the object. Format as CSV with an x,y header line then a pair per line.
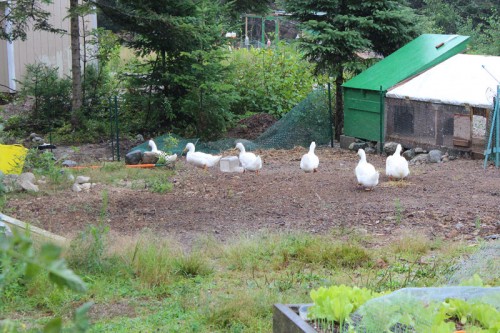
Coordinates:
x,y
4,74
40,46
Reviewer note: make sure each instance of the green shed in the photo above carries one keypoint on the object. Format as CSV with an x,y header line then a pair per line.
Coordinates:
x,y
364,94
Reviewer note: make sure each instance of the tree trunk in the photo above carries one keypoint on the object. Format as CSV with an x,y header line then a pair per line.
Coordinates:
x,y
76,70
339,103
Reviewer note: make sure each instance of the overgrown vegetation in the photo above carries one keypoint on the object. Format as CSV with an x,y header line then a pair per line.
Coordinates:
x,y
213,286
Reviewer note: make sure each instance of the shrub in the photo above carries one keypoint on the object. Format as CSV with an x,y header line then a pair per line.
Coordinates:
x,y
51,94
270,80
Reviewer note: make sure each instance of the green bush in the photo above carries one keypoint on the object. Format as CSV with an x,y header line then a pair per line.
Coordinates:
x,y
270,80
52,97
15,126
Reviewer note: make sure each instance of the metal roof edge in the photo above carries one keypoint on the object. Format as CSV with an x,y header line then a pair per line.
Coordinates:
x,y
359,82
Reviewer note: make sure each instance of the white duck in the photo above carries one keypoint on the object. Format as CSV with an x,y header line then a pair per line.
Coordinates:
x,y
309,161
366,174
249,161
161,154
396,166
199,159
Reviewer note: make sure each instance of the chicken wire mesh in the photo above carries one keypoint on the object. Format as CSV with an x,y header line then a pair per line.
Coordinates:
x,y
485,263
489,134
414,310
307,121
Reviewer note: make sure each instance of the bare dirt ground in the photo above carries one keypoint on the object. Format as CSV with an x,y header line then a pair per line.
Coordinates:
x,y
457,199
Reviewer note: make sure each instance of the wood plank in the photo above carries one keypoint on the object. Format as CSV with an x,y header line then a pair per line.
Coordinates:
x,y
15,223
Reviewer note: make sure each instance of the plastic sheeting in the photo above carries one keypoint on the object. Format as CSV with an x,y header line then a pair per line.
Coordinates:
x,y
461,80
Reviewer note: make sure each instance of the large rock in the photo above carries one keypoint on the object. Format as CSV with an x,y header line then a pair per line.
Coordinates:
x,y
149,157
134,157
355,146
26,181
435,156
420,159
10,183
390,147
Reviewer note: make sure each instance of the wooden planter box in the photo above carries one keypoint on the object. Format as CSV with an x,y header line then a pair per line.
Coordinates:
x,y
286,319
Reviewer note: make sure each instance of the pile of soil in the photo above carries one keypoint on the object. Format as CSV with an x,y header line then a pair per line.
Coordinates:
x,y
250,128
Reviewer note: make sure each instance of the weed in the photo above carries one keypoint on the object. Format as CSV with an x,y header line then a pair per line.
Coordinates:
x,y
398,209
191,265
153,260
170,142
44,163
159,185
477,223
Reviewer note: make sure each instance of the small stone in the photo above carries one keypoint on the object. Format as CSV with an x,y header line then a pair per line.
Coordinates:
x,y
490,237
85,186
76,188
370,150
82,179
459,226
26,181
139,138
409,154
419,150
69,163
355,146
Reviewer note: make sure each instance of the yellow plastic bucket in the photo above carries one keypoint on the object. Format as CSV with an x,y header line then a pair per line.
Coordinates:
x,y
12,158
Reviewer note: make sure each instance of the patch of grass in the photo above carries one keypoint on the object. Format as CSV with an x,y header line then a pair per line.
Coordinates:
x,y
227,287
411,244
88,249
240,312
152,261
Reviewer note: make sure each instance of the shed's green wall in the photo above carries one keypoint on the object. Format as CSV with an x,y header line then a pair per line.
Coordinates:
x,y
362,114
363,107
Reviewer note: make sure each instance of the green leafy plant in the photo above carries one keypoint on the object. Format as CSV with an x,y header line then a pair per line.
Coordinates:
x,y
20,260
336,303
170,142
43,163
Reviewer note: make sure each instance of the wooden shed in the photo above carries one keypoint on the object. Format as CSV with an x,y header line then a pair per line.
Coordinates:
x,y
364,94
448,105
39,47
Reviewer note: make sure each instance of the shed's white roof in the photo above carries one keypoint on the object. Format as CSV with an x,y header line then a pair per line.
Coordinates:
x,y
462,79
